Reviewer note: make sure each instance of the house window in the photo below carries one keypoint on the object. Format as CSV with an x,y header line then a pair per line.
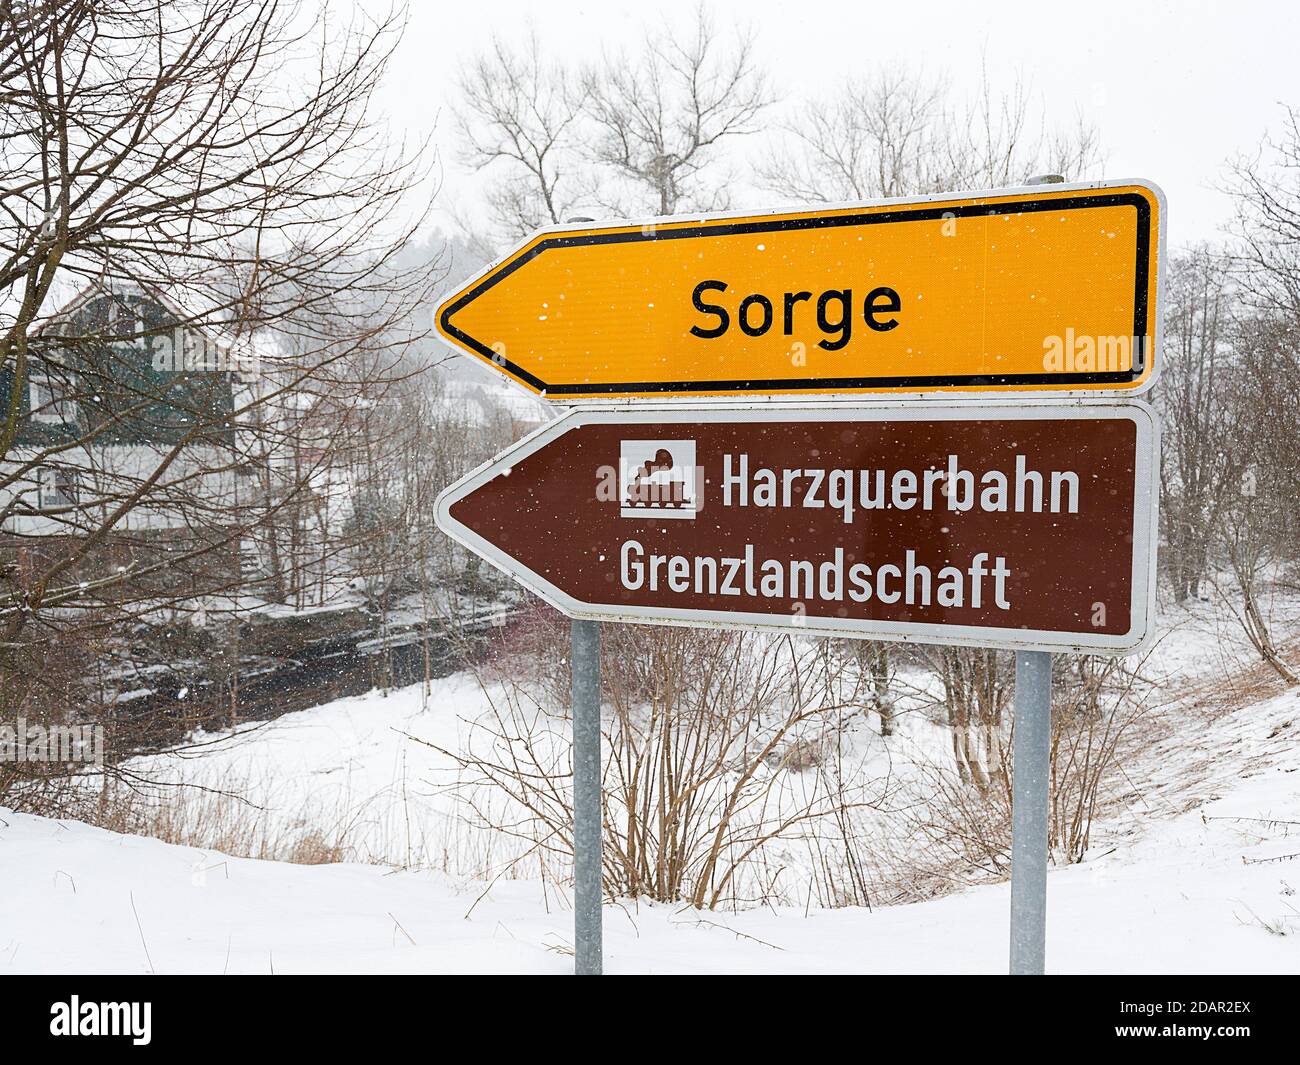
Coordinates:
x,y
51,398
58,487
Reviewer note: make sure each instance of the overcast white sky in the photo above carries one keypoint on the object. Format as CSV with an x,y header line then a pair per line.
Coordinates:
x,y
1173,88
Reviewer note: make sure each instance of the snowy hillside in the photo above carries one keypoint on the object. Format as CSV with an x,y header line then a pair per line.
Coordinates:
x,y
1179,898
1192,868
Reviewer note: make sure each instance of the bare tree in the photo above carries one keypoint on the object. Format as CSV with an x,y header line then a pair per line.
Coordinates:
x,y
1199,465
519,114
1267,260
1261,531
902,134
204,178
1266,188
872,138
1260,526
1250,544
633,134
660,117
977,686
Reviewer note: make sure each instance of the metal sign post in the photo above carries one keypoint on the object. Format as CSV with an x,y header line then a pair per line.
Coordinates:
x,y
584,664
588,837
1030,796
1029,808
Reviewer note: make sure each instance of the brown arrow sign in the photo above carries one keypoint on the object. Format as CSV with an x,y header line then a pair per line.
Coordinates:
x,y
1027,526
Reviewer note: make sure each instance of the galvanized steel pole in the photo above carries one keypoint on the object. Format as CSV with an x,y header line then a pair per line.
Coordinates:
x,y
1033,723
584,664
1029,794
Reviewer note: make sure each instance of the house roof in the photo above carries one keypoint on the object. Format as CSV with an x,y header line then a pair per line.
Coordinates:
x,y
240,350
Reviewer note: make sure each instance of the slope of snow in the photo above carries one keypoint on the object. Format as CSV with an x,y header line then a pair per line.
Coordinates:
x,y
1195,868
1180,899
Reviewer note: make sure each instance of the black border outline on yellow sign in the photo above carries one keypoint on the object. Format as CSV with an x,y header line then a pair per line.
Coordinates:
x,y
1141,297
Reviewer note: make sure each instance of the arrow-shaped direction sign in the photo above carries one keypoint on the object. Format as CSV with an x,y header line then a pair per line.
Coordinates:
x,y
1050,287
1025,526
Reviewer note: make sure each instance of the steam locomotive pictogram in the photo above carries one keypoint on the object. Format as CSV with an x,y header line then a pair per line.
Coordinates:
x,y
670,491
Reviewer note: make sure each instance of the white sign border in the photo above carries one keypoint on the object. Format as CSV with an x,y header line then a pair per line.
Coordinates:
x,y
1145,521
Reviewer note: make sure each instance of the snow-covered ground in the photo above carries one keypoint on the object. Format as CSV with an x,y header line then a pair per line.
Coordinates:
x,y
1191,871
1180,898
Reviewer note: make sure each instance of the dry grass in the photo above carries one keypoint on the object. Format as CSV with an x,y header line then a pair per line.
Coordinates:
x,y
393,827
223,821
1174,761
1218,697
803,753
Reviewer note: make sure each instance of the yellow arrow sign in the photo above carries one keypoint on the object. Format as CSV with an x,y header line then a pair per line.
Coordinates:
x,y
1050,288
